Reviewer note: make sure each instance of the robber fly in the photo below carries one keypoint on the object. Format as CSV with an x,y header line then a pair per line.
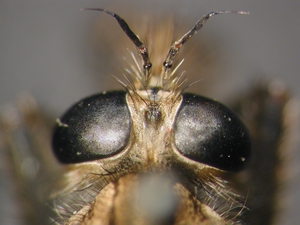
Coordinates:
x,y
150,154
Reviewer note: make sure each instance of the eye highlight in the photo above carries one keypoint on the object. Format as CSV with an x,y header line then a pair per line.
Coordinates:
x,y
96,127
209,133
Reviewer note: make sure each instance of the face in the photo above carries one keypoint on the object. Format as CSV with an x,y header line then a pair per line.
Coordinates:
x,y
159,145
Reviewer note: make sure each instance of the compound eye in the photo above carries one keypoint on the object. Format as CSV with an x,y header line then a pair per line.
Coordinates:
x,y
94,128
209,133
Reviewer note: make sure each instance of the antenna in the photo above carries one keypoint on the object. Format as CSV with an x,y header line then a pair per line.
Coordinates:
x,y
174,49
143,51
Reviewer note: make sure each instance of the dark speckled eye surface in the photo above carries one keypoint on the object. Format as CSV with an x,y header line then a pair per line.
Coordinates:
x,y
208,132
94,128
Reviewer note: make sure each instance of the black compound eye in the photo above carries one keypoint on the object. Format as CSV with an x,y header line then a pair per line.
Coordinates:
x,y
209,133
96,127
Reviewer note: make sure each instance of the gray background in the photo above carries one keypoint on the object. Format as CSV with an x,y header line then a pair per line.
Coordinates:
x,y
45,50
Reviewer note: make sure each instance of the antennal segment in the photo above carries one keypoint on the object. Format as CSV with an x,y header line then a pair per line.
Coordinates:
x,y
168,63
143,51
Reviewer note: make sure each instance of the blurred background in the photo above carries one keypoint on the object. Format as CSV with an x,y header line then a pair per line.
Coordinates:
x,y
60,54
